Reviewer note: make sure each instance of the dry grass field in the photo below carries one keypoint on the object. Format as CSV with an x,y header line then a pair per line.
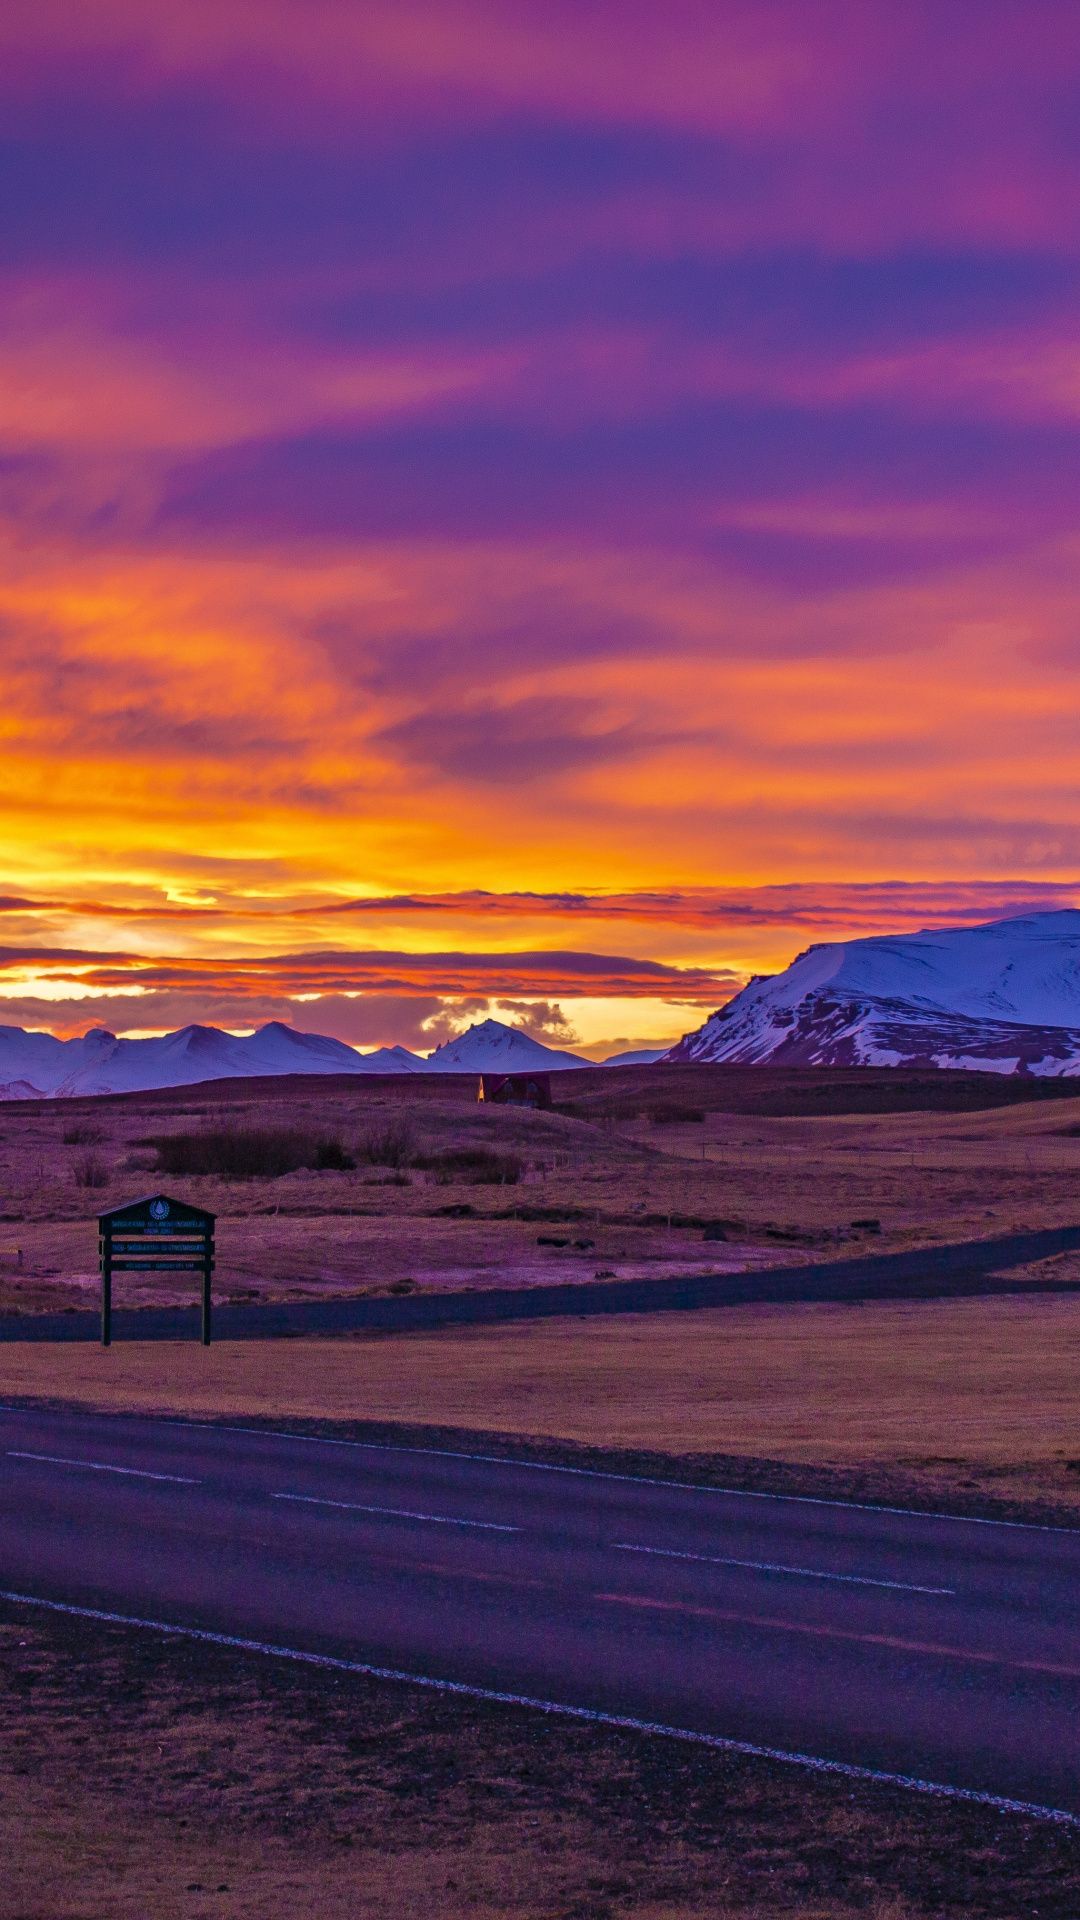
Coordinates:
x,y
212,1785
785,1164
946,1398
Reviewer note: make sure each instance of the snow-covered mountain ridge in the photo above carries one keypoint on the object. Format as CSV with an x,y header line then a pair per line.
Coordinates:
x,y
35,1066
1004,997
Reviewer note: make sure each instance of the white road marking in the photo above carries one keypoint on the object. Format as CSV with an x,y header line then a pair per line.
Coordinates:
x,y
598,1473
776,1566
579,1473
100,1466
719,1743
398,1513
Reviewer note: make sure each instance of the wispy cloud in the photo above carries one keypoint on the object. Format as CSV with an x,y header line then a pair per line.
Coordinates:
x,y
349,971
477,475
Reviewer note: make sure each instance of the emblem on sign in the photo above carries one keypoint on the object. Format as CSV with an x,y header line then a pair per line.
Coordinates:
x,y
159,1209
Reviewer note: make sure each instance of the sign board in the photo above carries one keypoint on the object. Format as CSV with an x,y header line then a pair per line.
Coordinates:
x,y
160,1235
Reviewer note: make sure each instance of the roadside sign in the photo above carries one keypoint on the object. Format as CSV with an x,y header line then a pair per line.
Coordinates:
x,y
157,1234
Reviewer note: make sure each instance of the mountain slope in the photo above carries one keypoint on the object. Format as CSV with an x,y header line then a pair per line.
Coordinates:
x,y
1003,997
640,1057
492,1047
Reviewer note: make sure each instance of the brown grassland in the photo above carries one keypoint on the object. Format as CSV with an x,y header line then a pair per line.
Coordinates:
x,y
938,1399
785,1162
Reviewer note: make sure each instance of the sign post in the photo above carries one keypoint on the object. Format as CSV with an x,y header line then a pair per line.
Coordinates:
x,y
155,1235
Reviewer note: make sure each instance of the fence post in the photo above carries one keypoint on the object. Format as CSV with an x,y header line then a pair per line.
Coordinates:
x,y
208,1268
106,1291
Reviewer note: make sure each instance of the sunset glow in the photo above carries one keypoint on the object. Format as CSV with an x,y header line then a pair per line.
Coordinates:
x,y
540,508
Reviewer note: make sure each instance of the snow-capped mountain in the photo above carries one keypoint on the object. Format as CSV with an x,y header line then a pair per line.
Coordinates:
x,y
492,1047
36,1065
393,1060
1004,998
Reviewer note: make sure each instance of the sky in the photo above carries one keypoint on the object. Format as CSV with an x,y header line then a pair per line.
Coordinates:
x,y
531,507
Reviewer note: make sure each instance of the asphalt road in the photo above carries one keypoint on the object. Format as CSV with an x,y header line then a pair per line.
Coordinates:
x,y
914,1644
953,1271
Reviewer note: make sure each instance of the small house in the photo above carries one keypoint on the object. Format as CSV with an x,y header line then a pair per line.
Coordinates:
x,y
516,1090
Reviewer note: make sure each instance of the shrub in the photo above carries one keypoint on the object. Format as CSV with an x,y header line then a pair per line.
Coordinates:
x,y
473,1166
390,1146
90,1171
81,1133
331,1157
140,1160
676,1116
246,1153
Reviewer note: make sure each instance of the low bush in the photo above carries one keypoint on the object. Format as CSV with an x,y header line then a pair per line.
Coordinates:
x,y
390,1146
140,1160
247,1153
81,1133
676,1116
90,1170
331,1157
472,1166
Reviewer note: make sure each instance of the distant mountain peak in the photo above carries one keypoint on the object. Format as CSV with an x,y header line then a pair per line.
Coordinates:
x,y
491,1046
